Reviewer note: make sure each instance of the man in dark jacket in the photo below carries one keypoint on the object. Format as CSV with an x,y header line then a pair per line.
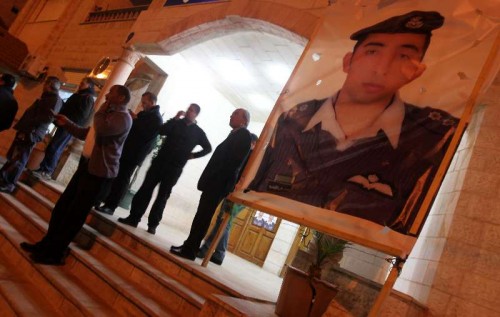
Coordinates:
x,y
140,141
31,129
8,103
226,207
182,136
78,108
217,180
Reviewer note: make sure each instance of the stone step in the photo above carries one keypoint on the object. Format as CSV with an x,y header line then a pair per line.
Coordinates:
x,y
160,286
56,284
225,306
188,274
18,294
121,295
144,259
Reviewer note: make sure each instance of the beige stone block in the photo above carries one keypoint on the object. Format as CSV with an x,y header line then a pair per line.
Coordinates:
x,y
492,117
434,248
438,302
459,307
480,290
461,255
486,160
430,273
482,183
449,182
467,230
491,238
488,137
448,278
487,264
486,209
433,225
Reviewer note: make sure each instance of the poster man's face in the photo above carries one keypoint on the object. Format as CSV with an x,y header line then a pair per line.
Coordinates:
x,y
381,65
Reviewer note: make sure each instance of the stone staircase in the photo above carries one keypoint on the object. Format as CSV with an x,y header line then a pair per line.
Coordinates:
x,y
109,271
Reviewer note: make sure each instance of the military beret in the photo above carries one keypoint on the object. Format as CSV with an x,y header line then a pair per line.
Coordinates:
x,y
419,22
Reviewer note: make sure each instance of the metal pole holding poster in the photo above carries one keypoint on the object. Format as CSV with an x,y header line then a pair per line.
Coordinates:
x,y
215,241
396,268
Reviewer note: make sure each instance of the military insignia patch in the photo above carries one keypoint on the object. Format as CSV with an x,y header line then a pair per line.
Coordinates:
x,y
415,23
372,183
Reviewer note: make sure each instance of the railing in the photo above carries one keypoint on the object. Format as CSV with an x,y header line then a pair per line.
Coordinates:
x,y
114,15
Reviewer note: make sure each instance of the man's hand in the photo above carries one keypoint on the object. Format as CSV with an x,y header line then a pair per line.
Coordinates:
x,y
132,114
180,114
61,120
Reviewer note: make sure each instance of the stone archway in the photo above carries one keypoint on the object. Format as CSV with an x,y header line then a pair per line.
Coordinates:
x,y
228,25
172,34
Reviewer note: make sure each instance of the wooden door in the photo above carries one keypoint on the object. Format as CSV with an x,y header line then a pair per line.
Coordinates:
x,y
252,234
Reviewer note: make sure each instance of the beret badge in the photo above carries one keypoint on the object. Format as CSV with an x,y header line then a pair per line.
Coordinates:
x,y
415,23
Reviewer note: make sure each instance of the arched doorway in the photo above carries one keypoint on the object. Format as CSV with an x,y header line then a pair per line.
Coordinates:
x,y
247,62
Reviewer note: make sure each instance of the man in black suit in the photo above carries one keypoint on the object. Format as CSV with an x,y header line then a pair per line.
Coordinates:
x,y
218,180
8,103
182,136
140,141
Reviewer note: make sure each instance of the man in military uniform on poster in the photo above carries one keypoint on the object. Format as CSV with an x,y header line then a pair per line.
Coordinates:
x,y
364,151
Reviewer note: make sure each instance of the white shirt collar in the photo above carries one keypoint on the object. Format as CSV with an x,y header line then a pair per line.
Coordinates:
x,y
390,121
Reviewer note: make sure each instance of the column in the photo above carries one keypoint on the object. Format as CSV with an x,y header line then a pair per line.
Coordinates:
x,y
118,76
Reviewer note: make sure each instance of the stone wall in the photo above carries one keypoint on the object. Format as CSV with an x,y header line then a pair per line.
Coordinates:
x,y
454,265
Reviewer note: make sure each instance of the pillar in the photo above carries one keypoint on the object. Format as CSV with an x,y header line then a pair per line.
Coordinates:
x,y
118,76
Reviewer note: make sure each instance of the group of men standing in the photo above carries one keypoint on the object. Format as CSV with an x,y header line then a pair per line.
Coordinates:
x,y
122,141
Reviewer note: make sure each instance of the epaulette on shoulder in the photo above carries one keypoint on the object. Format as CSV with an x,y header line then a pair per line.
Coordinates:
x,y
303,112
436,120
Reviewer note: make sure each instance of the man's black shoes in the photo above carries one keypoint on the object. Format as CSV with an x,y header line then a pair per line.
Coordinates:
x,y
105,210
29,247
152,230
180,251
46,259
129,222
215,260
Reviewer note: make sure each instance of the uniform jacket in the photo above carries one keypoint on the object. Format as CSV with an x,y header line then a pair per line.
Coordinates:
x,y
37,118
142,136
371,179
79,106
220,174
8,107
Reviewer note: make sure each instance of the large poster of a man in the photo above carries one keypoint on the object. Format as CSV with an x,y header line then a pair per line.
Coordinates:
x,y
362,151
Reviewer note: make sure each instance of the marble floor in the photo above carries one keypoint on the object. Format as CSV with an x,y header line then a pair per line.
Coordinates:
x,y
237,273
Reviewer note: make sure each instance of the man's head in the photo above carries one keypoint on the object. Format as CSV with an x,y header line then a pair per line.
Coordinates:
x,y
239,118
118,95
86,83
7,80
388,56
52,84
255,138
148,100
192,112
414,22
